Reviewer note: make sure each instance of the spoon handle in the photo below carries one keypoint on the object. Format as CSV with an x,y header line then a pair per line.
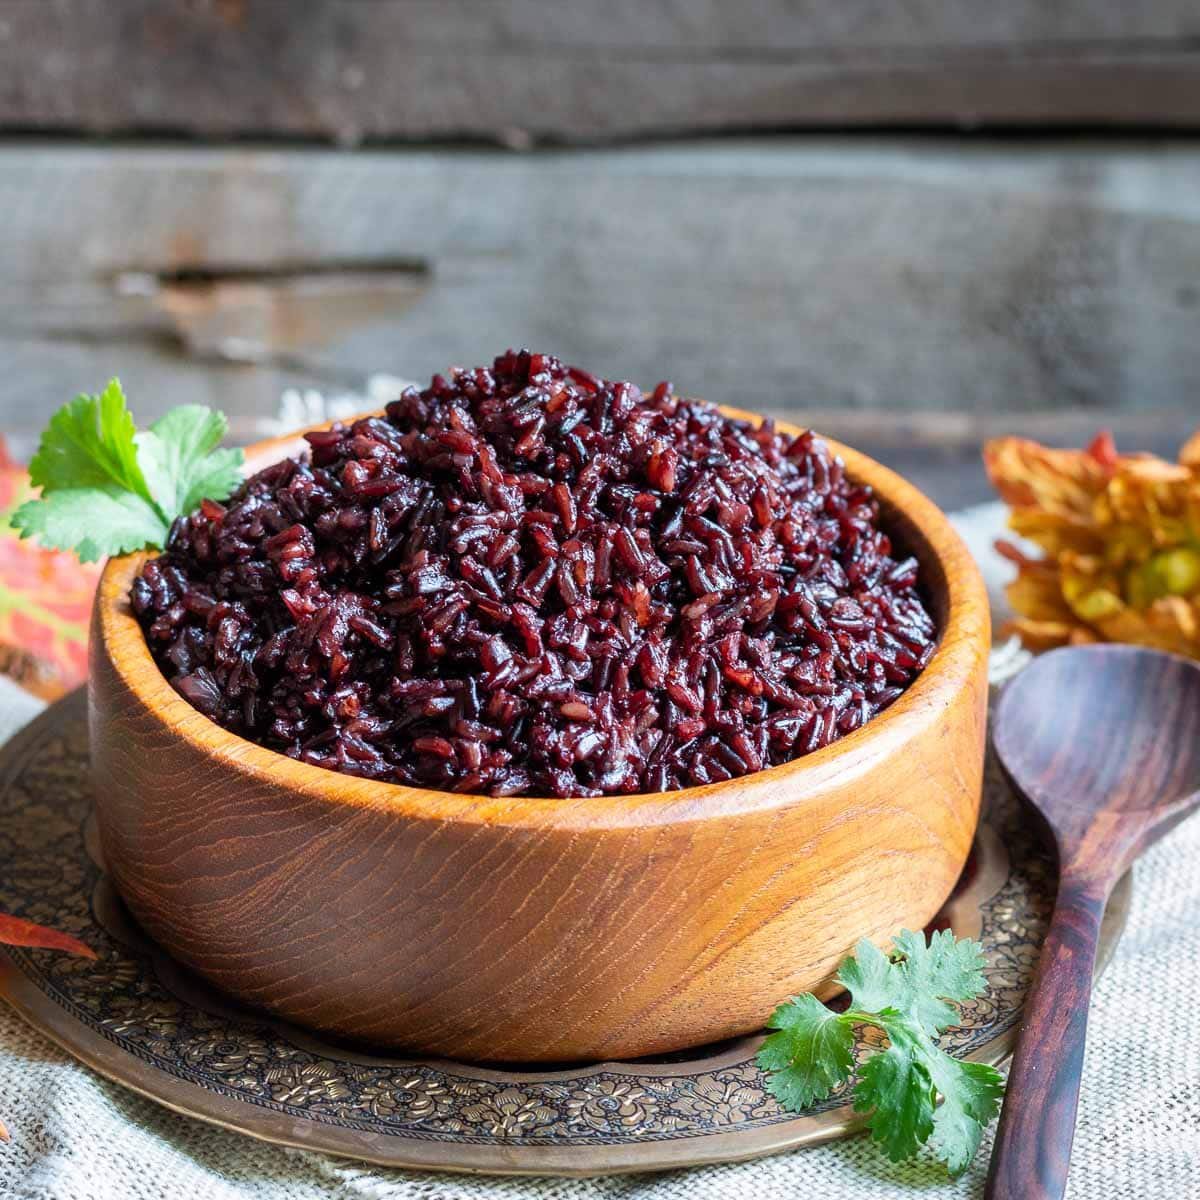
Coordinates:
x,y
1032,1152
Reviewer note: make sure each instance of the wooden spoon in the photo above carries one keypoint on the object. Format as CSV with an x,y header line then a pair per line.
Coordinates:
x,y
1104,741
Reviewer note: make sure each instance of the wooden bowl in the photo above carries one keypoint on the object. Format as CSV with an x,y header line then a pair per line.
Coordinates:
x,y
525,929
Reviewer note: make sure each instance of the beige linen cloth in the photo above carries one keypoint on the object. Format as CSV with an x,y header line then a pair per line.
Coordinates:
x,y
77,1137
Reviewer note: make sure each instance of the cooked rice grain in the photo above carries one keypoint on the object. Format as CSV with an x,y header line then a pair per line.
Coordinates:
x,y
528,580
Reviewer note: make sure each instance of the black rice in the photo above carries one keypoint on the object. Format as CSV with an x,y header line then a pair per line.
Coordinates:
x,y
528,580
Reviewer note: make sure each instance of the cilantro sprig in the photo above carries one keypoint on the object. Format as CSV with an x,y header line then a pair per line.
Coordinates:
x,y
913,1092
108,489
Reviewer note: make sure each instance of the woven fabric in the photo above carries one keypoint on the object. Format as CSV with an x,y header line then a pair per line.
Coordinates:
x,y
77,1137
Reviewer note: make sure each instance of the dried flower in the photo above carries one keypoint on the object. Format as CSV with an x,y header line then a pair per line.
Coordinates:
x,y
1121,541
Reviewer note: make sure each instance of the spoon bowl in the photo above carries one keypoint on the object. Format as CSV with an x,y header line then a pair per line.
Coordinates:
x,y
1104,742
1103,737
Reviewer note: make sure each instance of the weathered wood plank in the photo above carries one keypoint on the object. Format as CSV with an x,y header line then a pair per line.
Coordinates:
x,y
347,70
791,275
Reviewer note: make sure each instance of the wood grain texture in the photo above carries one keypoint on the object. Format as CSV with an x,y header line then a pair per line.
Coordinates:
x,y
527,929
1105,741
347,71
829,276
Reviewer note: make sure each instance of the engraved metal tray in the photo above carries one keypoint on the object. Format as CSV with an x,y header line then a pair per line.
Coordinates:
x,y
137,1017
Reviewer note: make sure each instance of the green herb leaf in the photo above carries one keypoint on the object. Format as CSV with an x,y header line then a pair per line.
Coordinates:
x,y
869,978
90,443
181,461
93,522
895,1088
945,968
971,1095
106,489
810,1055
913,1092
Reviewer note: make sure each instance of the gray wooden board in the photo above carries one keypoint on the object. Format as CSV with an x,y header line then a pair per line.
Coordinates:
x,y
348,69
795,275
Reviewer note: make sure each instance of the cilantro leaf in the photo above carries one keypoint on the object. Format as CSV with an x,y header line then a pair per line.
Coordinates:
x,y
90,443
93,522
912,1091
106,489
181,461
945,968
869,978
810,1055
971,1094
895,1088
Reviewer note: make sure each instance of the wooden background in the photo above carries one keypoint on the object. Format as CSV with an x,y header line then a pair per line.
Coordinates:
x,y
912,224
355,69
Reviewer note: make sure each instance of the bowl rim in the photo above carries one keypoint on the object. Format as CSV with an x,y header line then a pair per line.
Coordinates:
x,y
963,641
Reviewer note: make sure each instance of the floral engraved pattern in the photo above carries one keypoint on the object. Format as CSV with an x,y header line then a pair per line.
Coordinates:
x,y
155,1020
718,1100
303,1084
407,1099
113,973
136,998
609,1105
237,1059
509,1113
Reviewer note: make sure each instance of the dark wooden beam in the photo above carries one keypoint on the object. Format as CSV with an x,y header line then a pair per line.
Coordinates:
x,y
347,70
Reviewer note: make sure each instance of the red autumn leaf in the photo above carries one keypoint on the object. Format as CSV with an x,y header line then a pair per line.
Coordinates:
x,y
45,600
17,932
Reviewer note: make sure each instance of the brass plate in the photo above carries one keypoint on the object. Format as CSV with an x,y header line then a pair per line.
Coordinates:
x,y
138,1018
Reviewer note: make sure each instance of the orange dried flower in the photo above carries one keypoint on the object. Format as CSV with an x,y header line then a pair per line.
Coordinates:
x,y
1121,540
